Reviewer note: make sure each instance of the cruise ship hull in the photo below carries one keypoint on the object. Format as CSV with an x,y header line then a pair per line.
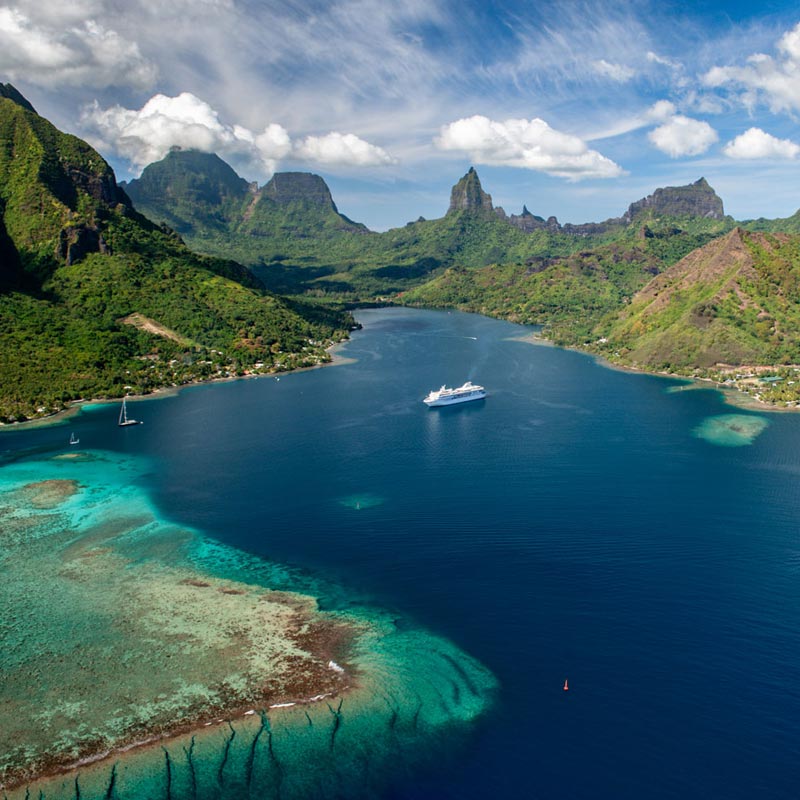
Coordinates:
x,y
449,401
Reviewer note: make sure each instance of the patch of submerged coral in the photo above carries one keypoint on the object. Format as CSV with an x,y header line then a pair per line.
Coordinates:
x,y
122,630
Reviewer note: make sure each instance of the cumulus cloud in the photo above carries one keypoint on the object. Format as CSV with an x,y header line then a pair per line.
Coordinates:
x,y
147,134
53,52
532,144
683,136
776,81
660,111
755,143
616,72
341,148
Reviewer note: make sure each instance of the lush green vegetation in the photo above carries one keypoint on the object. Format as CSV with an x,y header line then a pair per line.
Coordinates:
x,y
568,295
730,311
296,241
78,261
96,300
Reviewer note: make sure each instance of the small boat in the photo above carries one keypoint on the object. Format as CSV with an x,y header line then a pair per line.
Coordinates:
x,y
124,421
566,685
73,439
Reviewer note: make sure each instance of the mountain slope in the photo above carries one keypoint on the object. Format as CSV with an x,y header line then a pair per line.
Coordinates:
x,y
78,261
291,235
567,294
735,301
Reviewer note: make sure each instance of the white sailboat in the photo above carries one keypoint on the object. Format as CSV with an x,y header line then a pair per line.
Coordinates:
x,y
73,439
123,416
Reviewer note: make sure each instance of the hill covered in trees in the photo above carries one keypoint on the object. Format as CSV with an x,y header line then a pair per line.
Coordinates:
x,y
96,300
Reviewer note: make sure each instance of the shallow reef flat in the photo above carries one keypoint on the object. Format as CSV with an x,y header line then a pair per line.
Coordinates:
x,y
731,430
141,659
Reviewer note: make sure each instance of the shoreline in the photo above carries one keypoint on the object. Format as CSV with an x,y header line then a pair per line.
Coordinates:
x,y
163,392
731,395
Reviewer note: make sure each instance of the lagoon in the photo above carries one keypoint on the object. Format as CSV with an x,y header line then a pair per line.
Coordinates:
x,y
579,523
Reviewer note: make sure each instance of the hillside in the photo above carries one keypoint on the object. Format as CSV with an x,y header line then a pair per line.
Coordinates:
x,y
735,301
568,295
78,261
291,235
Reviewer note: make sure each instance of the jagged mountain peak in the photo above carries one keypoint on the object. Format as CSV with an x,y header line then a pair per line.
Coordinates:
x,y
468,195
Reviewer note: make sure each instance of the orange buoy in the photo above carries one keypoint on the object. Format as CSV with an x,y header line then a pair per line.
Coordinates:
x,y
566,685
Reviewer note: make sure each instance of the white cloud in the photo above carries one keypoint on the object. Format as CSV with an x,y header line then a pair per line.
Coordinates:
x,y
660,111
616,72
532,144
683,136
775,80
655,58
341,148
146,135
66,50
755,143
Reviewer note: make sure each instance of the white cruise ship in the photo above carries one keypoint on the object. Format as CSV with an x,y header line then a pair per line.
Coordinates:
x,y
463,394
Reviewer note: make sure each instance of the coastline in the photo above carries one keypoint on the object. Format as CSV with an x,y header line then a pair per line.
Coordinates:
x,y
163,392
733,396
129,637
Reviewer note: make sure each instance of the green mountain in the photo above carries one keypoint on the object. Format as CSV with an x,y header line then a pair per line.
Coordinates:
x,y
291,235
291,223
568,295
190,189
735,301
96,300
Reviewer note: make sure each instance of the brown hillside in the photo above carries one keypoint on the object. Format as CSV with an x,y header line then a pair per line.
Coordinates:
x,y
732,301
720,262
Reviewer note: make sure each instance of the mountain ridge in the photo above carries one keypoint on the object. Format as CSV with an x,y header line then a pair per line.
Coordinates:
x,y
78,263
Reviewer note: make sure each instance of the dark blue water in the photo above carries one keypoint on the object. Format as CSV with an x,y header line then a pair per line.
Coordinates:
x,y
570,525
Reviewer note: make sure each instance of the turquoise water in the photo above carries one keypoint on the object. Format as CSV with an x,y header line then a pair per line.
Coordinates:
x,y
579,523
119,626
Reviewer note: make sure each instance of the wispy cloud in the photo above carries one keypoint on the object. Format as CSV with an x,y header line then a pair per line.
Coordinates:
x,y
616,72
773,80
81,52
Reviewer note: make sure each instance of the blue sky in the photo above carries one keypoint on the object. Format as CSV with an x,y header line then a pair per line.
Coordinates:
x,y
573,108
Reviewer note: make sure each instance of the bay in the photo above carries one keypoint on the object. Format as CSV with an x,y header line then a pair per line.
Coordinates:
x,y
575,524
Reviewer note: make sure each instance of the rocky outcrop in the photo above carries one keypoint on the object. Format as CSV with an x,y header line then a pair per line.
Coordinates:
x,y
529,223
76,243
696,199
468,195
293,187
